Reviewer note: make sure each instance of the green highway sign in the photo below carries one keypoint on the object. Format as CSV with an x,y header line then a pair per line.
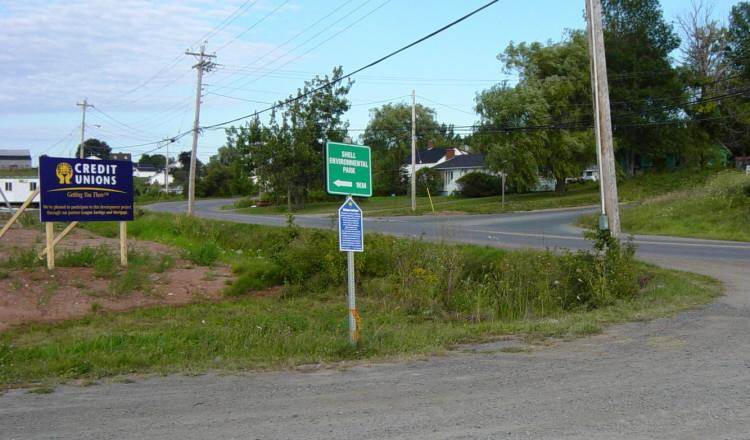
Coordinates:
x,y
348,169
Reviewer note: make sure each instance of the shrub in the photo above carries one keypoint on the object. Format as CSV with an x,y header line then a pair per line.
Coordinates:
x,y
254,274
203,254
25,258
429,179
478,184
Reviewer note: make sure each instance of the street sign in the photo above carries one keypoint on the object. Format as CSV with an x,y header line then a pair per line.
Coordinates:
x,y
85,190
348,169
350,227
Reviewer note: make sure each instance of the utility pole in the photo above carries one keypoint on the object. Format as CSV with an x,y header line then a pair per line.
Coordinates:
x,y
83,106
166,169
413,150
610,218
204,65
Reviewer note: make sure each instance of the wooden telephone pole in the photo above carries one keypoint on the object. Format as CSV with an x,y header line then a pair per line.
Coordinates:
x,y
605,153
204,65
84,105
413,150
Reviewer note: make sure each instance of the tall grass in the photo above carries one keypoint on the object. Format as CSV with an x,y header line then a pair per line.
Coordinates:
x,y
717,209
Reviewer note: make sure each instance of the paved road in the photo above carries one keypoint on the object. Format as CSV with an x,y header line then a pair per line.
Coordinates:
x,y
684,377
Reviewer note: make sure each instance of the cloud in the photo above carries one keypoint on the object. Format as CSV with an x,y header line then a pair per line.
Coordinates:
x,y
57,52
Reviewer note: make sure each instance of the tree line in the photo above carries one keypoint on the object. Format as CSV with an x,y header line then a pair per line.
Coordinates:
x,y
678,99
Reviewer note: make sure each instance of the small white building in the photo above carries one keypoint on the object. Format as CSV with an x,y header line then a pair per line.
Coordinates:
x,y
145,171
158,179
15,190
459,166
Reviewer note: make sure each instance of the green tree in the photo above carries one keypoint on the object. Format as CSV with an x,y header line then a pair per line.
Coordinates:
x,y
645,90
388,133
738,38
429,182
538,127
94,147
286,155
704,70
156,160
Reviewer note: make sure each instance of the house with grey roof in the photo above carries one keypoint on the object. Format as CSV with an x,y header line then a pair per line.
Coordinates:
x,y
459,166
431,157
15,159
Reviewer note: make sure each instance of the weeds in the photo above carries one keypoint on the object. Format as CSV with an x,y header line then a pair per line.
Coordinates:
x,y
19,258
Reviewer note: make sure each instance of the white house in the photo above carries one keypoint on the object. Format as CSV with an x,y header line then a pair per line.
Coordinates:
x,y
459,166
431,157
145,171
158,179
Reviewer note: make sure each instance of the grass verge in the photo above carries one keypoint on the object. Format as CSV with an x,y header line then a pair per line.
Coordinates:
x,y
415,298
718,208
260,333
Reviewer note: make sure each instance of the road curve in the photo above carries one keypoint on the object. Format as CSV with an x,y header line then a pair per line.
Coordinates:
x,y
681,377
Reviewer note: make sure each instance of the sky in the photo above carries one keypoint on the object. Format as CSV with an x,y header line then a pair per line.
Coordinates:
x,y
127,58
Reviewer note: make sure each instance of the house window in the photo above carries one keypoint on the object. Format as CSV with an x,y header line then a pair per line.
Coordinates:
x,y
8,186
32,186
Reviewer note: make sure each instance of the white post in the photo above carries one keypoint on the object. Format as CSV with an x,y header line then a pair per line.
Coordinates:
x,y
351,302
503,199
413,150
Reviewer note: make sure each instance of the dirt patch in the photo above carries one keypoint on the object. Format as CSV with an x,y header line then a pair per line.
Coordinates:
x,y
37,295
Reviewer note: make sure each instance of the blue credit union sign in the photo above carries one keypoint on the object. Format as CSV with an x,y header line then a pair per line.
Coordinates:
x,y
85,190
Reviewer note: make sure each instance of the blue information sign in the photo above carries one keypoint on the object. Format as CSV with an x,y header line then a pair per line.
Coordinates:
x,y
85,190
350,227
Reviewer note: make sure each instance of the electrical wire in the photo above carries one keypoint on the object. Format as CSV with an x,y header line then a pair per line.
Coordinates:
x,y
252,26
365,67
334,35
297,35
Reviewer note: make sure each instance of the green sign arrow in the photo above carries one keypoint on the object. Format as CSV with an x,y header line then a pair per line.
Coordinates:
x,y
348,169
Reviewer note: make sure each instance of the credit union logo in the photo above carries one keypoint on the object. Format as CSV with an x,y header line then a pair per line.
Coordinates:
x,y
64,172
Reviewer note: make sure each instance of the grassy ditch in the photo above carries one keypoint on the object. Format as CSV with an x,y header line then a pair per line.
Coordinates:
x,y
718,208
414,297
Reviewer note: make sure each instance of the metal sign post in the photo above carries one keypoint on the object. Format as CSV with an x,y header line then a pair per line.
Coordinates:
x,y
349,173
351,240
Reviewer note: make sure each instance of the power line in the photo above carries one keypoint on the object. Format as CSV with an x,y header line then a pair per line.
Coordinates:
x,y
446,105
346,28
365,67
294,37
252,26
339,20
231,18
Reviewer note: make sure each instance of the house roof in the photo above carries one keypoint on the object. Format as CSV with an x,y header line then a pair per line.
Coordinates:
x,y
145,168
463,161
428,156
15,154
